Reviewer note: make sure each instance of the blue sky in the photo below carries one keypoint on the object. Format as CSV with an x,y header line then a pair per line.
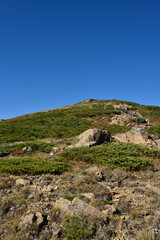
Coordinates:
x,y
55,53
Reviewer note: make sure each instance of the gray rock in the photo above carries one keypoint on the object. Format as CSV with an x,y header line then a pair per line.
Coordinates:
x,y
79,208
92,137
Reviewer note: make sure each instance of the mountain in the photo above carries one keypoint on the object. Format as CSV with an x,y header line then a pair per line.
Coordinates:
x,y
86,171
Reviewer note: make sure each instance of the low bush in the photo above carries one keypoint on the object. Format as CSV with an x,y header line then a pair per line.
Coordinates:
x,y
76,229
36,146
30,165
125,156
154,130
115,129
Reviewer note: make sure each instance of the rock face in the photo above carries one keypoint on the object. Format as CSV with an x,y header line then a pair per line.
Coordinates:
x,y
79,208
92,137
139,137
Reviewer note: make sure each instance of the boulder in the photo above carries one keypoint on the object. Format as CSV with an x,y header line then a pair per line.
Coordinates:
x,y
92,137
21,181
79,208
27,220
139,136
37,218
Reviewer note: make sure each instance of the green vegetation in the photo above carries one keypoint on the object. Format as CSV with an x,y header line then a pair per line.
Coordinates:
x,y
154,130
69,122
58,123
126,156
76,229
70,197
36,146
30,165
151,111
139,120
115,128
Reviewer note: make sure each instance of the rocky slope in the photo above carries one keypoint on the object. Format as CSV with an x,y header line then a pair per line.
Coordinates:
x,y
62,186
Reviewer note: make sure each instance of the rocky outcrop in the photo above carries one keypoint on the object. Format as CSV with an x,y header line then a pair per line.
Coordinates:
x,y
79,208
92,137
121,119
139,136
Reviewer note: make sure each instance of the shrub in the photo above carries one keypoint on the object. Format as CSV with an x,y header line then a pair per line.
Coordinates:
x,y
154,130
76,229
125,156
36,146
32,165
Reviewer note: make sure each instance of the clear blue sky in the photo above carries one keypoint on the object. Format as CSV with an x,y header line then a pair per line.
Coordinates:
x,y
55,53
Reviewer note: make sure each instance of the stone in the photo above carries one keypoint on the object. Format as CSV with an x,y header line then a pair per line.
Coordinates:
x,y
88,195
79,208
109,211
37,218
27,149
93,137
48,188
95,170
92,170
100,175
139,136
27,220
21,181
54,150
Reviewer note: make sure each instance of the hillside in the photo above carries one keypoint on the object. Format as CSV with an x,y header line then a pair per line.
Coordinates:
x,y
54,185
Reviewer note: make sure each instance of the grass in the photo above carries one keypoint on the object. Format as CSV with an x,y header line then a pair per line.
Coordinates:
x,y
28,165
130,157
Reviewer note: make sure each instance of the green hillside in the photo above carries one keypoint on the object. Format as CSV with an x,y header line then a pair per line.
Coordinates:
x,y
72,120
43,173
